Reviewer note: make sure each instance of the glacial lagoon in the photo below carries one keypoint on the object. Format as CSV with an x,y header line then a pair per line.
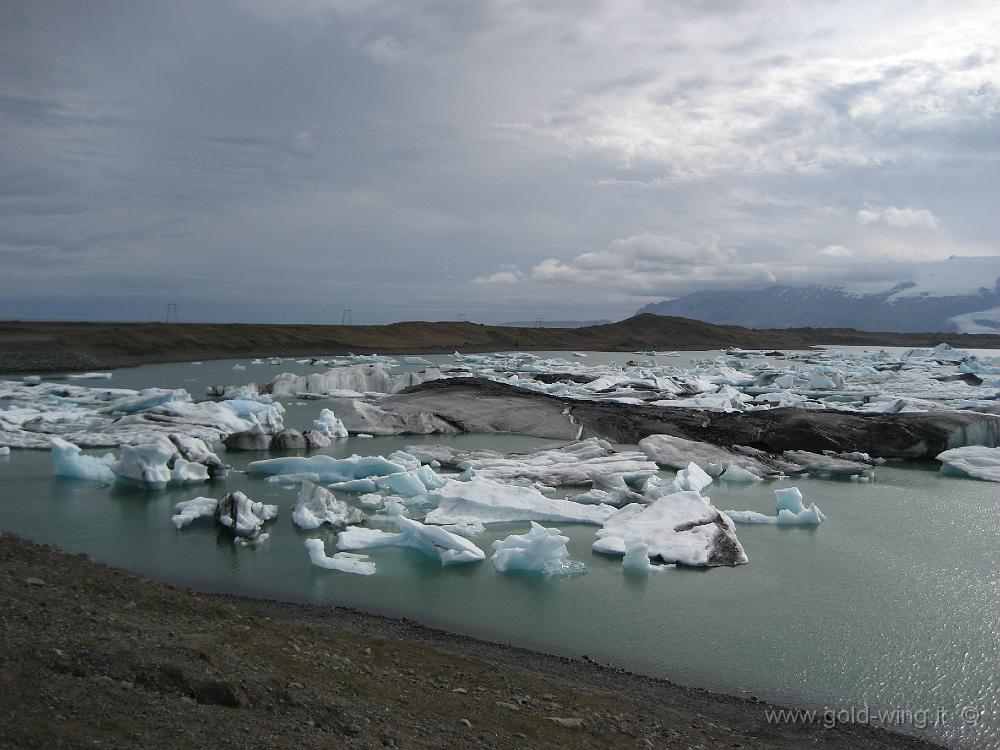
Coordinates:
x,y
892,603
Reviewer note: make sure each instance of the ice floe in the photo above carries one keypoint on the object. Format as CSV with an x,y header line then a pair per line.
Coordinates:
x,y
345,562
976,462
790,509
485,501
580,463
434,541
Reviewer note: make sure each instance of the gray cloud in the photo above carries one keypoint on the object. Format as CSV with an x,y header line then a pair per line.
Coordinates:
x,y
517,159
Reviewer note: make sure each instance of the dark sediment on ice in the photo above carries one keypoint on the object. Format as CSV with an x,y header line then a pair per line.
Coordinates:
x,y
479,405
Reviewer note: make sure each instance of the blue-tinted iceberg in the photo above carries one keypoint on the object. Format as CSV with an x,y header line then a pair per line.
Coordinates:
x,y
433,541
71,462
540,550
791,511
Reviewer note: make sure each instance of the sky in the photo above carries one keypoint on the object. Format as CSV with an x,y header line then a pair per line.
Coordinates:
x,y
493,160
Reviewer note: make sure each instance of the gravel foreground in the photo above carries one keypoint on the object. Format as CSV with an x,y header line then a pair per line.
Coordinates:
x,y
98,657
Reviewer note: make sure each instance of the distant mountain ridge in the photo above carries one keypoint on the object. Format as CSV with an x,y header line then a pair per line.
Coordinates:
x,y
951,298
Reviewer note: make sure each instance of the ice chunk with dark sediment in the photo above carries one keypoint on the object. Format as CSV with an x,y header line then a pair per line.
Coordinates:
x,y
677,453
682,528
242,516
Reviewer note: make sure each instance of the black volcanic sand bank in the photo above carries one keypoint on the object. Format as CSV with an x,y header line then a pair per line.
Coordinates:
x,y
52,347
98,657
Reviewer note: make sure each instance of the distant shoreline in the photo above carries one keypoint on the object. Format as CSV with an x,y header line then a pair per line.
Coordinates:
x,y
45,347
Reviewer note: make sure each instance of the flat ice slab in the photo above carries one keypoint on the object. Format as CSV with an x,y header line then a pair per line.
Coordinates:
x,y
486,501
974,461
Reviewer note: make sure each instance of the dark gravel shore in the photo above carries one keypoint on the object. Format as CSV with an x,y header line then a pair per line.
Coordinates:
x,y
55,347
98,657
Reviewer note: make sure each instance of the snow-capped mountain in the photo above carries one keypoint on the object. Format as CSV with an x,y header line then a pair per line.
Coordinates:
x,y
958,294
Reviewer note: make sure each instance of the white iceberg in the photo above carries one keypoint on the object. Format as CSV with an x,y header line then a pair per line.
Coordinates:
x,y
581,463
680,528
242,516
636,558
487,501
972,461
187,511
345,562
329,426
736,473
317,506
540,550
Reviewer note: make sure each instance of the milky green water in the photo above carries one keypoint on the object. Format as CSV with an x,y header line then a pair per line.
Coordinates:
x,y
894,602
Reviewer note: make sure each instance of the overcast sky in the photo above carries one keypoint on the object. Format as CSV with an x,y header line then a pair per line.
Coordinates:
x,y
273,160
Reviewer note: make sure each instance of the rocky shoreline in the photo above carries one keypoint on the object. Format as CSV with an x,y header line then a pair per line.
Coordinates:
x,y
99,657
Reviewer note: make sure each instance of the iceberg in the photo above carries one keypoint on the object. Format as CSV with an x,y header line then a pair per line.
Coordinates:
x,y
636,558
791,511
540,550
345,562
362,378
693,478
682,528
736,473
187,511
157,464
486,501
329,426
70,461
242,516
433,541
974,461
328,469
317,506
678,453
581,463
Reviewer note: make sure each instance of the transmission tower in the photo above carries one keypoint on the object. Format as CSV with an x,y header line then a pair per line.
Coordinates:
x,y
172,311
345,317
